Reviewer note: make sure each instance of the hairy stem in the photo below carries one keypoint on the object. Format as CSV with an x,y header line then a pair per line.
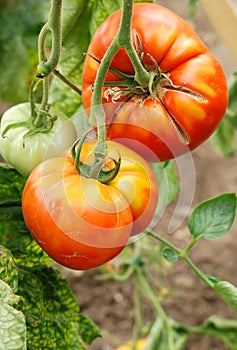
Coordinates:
x,y
67,81
138,308
53,26
45,97
125,40
148,292
121,40
97,112
182,254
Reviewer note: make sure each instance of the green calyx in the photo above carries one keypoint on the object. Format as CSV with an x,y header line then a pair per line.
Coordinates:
x,y
128,86
40,122
98,169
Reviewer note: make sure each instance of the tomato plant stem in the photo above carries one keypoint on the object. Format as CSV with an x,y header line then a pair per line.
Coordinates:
x,y
44,103
192,243
45,97
67,81
47,65
148,292
97,112
32,101
164,241
97,117
138,310
125,40
41,43
53,26
198,272
121,40
184,255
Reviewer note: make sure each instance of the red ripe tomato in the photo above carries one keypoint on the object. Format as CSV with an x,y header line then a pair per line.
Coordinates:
x,y
80,222
189,93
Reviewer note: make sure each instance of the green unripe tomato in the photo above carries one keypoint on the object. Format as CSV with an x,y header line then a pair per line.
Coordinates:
x,y
25,154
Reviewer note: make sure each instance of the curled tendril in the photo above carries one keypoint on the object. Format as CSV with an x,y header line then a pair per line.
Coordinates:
x,y
90,170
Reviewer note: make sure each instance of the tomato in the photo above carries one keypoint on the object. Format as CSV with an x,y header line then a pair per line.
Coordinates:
x,y
189,96
135,181
128,346
24,156
80,222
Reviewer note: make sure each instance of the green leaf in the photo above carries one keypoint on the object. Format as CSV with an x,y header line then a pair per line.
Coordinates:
x,y
168,182
100,11
228,292
52,314
13,232
173,182
8,269
20,22
89,331
11,186
16,70
232,103
170,255
223,139
12,322
81,120
213,218
158,340
32,254
168,185
226,330
192,7
15,236
70,12
7,295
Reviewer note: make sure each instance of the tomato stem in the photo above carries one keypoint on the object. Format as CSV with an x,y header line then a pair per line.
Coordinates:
x,y
52,26
67,81
43,109
32,101
97,116
41,120
164,241
121,40
182,254
45,97
138,310
124,38
149,293
41,44
95,170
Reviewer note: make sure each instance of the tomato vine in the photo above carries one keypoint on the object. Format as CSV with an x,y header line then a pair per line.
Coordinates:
x,y
85,205
52,26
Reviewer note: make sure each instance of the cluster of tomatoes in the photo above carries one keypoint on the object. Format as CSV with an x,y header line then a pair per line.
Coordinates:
x,y
79,221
